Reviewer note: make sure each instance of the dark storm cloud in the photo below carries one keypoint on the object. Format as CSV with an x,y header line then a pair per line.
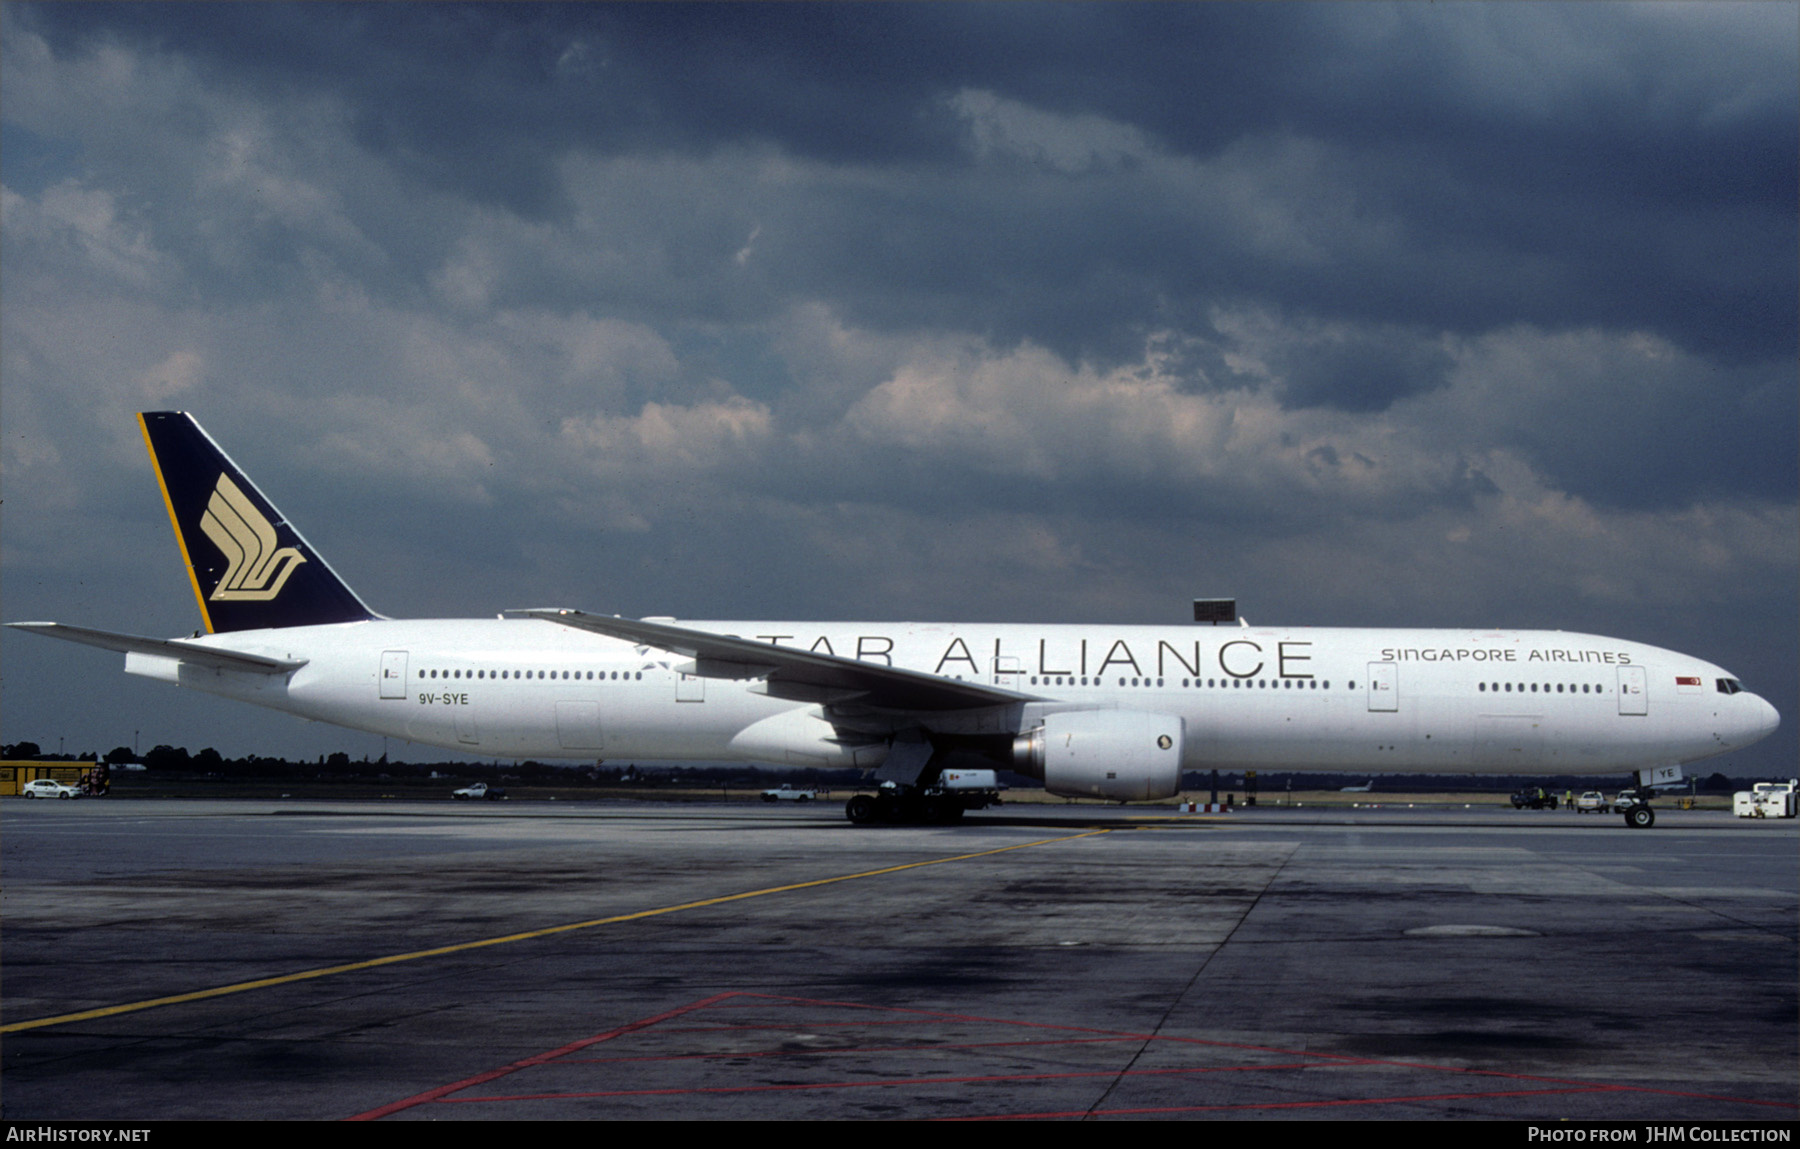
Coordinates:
x,y
1641,432
1362,370
482,98
1562,165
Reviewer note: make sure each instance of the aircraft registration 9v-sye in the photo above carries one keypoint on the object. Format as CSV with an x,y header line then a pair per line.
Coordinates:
x,y
1111,712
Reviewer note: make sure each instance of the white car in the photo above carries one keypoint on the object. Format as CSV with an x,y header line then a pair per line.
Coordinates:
x,y
1592,802
47,788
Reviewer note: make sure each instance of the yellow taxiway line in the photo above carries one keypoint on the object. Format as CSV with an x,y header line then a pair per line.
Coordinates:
x,y
459,947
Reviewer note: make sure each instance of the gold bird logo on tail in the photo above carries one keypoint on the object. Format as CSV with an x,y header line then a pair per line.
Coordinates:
x,y
256,569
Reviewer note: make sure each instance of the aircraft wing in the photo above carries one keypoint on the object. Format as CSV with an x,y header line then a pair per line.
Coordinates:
x,y
802,675
186,651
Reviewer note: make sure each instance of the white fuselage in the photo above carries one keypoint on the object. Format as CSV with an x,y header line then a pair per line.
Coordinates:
x,y
1432,701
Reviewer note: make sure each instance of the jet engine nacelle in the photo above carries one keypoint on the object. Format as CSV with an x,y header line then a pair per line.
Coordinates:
x,y
1121,755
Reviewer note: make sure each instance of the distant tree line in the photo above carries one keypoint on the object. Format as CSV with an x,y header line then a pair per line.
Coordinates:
x,y
165,759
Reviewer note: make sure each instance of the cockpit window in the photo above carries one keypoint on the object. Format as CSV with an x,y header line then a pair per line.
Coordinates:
x,y
1729,685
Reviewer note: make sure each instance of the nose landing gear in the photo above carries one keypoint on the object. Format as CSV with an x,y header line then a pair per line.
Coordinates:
x,y
1635,805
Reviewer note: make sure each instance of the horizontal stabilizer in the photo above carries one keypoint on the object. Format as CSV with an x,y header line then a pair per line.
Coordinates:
x,y
184,649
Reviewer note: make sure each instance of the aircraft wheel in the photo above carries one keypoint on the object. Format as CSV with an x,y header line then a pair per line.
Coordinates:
x,y
860,809
1640,817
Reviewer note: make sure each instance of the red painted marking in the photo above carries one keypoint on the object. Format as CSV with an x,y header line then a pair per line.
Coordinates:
x,y
540,1059
1308,1060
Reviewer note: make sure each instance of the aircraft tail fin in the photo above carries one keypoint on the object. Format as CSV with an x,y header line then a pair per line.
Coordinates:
x,y
250,568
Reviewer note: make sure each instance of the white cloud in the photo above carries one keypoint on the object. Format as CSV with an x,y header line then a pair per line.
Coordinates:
x,y
88,221
181,371
598,357
1027,413
1064,143
665,438
385,443
743,253
254,176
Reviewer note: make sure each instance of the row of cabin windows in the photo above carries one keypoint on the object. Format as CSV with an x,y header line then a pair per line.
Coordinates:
x,y
1317,684
571,675
1725,684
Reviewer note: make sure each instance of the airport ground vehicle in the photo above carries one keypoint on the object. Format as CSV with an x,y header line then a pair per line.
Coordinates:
x,y
1591,802
480,791
1766,800
891,803
787,793
1534,798
1115,712
954,793
48,788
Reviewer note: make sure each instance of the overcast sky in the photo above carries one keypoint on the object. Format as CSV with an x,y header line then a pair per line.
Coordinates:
x,y
1437,315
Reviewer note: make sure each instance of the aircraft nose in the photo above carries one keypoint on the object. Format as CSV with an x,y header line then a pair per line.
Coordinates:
x,y
1767,718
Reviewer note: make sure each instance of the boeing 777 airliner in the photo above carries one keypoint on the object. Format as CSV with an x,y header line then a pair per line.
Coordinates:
x,y
1113,712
